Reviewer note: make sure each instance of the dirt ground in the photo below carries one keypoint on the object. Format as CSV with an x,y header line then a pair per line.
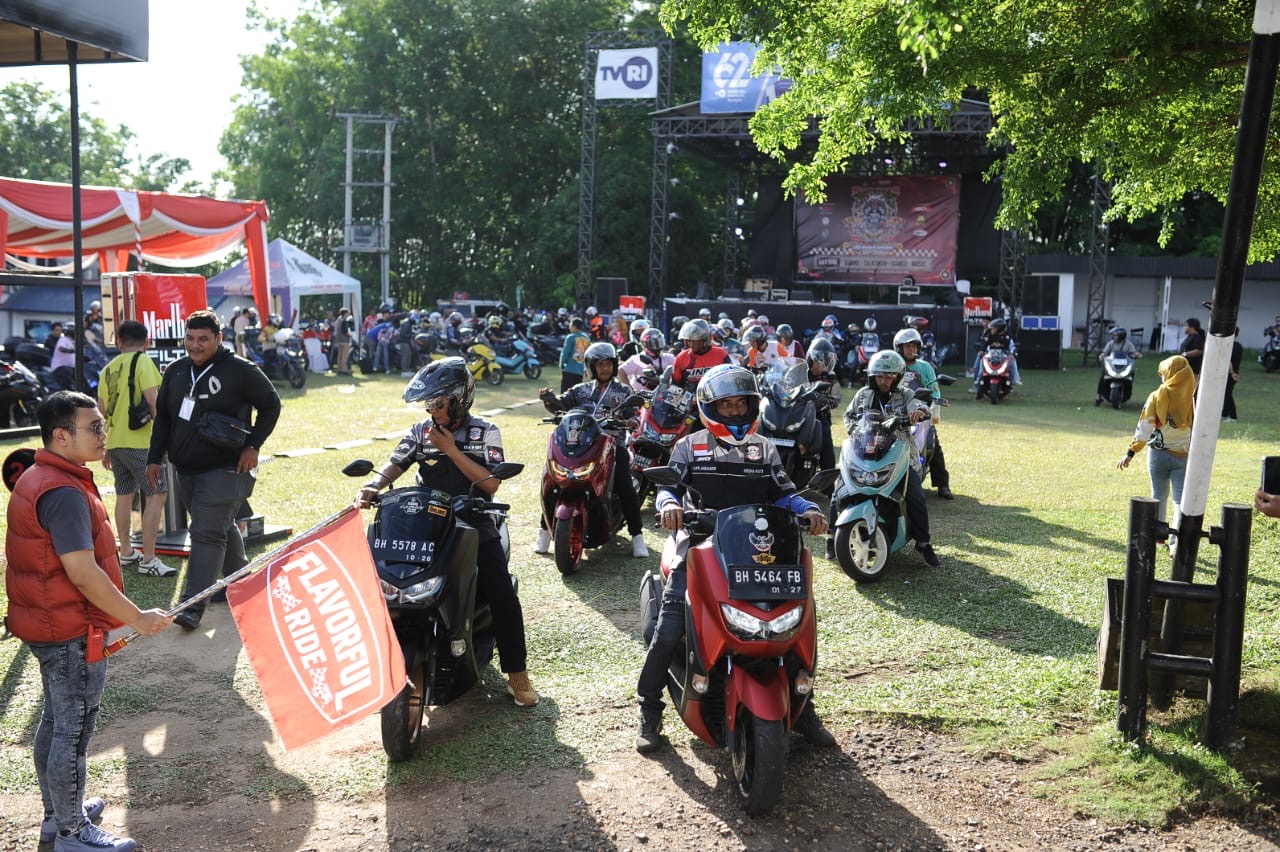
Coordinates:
x,y
883,788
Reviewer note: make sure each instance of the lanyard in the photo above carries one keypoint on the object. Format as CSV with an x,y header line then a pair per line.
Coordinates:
x,y
194,378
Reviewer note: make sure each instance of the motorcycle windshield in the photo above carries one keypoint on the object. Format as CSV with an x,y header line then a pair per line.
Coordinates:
x,y
997,357
786,381
1119,362
751,540
669,406
411,523
871,341
577,433
870,438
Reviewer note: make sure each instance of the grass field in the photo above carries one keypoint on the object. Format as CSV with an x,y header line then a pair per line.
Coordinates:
x,y
997,646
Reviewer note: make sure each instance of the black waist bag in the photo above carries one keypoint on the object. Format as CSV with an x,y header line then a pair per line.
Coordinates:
x,y
223,430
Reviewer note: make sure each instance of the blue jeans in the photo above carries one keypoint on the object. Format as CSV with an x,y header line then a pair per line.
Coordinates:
x,y
667,637
1166,469
72,695
212,500
382,357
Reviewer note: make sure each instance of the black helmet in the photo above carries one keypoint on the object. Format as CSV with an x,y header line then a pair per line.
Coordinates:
x,y
503,308
785,334
677,323
999,324
822,354
755,335
597,352
1119,332
448,377
653,341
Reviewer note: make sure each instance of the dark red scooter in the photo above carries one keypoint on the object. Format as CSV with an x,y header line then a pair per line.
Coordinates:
x,y
751,640
578,499
666,417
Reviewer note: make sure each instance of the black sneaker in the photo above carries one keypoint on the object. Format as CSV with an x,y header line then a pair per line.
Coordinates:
x,y
189,619
945,493
831,549
930,558
1097,401
650,738
811,728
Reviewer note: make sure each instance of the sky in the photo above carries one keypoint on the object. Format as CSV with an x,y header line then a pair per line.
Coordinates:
x,y
179,101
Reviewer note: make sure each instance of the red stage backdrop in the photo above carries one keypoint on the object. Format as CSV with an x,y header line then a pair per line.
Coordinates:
x,y
316,628
879,230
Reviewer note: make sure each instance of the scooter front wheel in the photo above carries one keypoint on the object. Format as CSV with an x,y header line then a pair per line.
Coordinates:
x,y
568,544
1117,396
532,371
759,758
297,377
494,375
402,717
862,553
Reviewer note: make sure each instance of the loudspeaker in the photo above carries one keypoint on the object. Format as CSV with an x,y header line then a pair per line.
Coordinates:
x,y
1040,350
1040,295
608,291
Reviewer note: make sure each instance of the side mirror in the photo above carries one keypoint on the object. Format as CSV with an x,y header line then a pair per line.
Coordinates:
x,y
359,467
823,479
944,379
923,394
507,470
662,475
633,400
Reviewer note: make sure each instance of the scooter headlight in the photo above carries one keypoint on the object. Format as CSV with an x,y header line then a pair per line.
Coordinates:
x,y
419,592
747,626
795,427
872,478
563,472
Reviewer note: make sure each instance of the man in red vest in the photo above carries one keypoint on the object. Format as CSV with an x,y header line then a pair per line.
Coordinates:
x,y
65,591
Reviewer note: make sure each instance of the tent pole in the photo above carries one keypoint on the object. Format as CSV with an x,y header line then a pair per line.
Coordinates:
x,y
77,275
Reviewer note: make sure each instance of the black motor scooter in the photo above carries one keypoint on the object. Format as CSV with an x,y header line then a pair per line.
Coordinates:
x,y
426,561
789,409
21,392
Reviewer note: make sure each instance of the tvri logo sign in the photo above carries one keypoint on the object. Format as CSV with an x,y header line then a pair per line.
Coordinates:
x,y
627,74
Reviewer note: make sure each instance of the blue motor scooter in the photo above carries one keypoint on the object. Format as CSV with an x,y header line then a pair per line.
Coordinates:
x,y
870,510
521,359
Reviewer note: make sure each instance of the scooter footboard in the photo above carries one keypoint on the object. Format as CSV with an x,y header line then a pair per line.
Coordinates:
x,y
765,692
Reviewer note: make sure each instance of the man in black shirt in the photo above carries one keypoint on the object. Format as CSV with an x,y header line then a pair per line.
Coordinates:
x,y
1192,346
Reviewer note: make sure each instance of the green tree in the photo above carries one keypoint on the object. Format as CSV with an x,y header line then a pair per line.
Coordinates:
x,y
487,96
35,139
1148,91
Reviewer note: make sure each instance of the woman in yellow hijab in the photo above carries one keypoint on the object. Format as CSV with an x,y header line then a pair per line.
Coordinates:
x,y
1164,427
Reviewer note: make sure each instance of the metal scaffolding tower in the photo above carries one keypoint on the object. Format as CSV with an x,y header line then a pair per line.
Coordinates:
x,y
368,236
732,218
1099,239
595,42
1013,269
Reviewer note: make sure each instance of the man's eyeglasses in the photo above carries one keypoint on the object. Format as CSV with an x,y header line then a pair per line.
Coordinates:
x,y
97,427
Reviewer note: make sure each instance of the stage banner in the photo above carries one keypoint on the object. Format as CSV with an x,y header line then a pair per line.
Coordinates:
x,y
316,629
727,84
630,74
879,230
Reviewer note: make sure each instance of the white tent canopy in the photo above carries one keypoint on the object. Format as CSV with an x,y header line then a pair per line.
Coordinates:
x,y
291,274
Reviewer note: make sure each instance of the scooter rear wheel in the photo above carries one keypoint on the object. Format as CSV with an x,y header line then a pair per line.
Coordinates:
x,y
759,758
568,545
402,718
862,554
532,371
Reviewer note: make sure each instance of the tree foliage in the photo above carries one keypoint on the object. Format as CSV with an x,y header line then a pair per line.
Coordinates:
x,y
487,98
1148,91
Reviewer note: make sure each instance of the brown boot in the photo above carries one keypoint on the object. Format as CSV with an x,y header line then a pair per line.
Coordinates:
x,y
521,689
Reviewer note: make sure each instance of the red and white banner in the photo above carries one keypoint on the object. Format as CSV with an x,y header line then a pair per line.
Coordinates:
x,y
316,628
879,230
160,301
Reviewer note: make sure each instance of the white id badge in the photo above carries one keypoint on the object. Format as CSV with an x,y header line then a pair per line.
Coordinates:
x,y
187,409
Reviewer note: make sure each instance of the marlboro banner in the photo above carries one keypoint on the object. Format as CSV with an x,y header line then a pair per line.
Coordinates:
x,y
161,302
879,230
316,628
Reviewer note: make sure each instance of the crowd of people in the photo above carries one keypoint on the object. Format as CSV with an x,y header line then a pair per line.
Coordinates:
x,y
210,412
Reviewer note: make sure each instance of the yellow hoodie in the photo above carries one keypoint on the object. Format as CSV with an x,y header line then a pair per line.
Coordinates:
x,y
1165,421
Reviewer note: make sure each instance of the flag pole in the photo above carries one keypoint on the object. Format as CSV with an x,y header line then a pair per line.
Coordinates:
x,y
221,584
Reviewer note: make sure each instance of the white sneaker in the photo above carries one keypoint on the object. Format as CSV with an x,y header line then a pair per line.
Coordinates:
x,y
638,548
131,560
155,568
543,545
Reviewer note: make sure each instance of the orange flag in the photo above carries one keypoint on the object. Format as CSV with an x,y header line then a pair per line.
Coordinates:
x,y
315,626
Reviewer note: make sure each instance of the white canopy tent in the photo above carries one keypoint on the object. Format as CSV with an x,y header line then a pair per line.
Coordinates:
x,y
291,274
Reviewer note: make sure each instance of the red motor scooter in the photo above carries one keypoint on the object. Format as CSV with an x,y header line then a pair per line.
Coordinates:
x,y
665,418
578,499
995,374
751,644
